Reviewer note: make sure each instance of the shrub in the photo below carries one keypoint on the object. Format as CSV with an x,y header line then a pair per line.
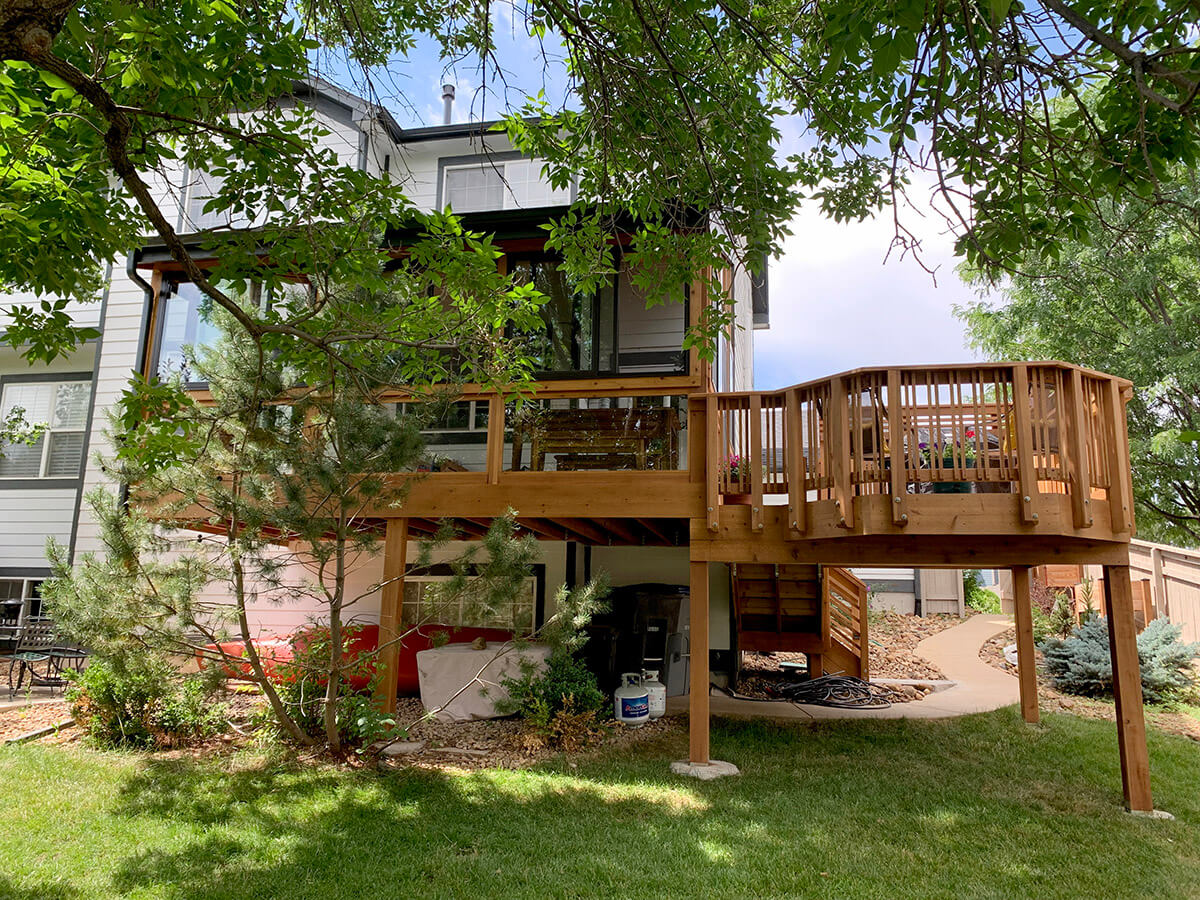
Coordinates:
x,y
560,705
976,595
1081,664
1062,616
146,706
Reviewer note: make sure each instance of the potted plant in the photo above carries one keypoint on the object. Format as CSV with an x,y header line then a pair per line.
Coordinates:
x,y
949,454
733,466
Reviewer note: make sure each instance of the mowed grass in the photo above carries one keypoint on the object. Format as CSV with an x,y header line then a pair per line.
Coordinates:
x,y
982,806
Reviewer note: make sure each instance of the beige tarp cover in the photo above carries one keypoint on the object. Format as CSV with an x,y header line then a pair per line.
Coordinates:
x,y
443,671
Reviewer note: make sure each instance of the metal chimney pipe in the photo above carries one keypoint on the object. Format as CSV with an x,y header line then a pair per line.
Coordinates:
x,y
448,100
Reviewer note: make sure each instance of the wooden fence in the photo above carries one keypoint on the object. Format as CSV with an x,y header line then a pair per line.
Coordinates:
x,y
1166,582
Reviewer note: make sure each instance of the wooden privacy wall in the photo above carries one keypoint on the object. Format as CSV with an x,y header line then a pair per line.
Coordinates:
x,y
1173,579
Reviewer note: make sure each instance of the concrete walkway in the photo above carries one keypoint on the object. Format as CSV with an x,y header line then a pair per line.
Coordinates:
x,y
980,687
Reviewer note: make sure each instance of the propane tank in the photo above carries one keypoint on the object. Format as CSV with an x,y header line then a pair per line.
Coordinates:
x,y
631,702
657,694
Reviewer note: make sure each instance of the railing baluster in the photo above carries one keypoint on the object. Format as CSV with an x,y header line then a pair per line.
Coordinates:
x,y
1080,484
755,464
1120,488
714,452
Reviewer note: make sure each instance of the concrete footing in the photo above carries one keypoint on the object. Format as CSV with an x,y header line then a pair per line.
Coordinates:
x,y
704,771
1151,814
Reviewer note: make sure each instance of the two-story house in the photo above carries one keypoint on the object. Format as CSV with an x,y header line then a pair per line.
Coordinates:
x,y
656,466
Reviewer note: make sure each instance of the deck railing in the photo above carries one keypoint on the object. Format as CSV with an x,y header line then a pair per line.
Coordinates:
x,y
1025,428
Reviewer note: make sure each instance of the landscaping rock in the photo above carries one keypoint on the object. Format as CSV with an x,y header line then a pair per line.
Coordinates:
x,y
402,748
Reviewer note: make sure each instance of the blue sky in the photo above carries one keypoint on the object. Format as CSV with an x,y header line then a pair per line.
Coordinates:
x,y
838,300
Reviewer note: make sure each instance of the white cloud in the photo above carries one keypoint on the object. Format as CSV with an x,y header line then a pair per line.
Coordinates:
x,y
836,304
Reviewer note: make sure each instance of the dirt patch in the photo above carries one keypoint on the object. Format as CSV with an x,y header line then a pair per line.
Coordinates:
x,y
492,743
1052,700
497,743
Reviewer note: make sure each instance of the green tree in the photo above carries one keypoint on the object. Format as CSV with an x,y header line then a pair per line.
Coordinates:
x,y
672,109
1125,300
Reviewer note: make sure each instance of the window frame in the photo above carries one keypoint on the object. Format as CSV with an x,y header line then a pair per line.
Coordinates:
x,y
53,381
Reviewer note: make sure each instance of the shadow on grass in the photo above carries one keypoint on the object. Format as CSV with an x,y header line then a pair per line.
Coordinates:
x,y
979,807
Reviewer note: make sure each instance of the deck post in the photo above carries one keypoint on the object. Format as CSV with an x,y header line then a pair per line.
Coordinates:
x,y
1127,689
1026,664
698,698
395,551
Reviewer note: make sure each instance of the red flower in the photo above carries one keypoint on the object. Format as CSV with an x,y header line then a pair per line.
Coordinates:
x,y
970,432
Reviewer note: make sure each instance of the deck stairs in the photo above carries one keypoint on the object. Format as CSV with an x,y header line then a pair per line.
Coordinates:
x,y
820,611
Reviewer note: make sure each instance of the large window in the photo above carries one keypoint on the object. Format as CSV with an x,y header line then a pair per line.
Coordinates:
x,y
474,188
425,603
60,408
579,328
186,323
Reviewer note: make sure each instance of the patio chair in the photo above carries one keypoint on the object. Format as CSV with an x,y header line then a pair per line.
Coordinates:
x,y
33,647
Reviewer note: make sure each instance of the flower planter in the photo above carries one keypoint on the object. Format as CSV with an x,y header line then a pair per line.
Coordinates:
x,y
955,487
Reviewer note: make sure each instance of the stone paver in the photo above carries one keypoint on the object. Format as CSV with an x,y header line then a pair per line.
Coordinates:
x,y
979,687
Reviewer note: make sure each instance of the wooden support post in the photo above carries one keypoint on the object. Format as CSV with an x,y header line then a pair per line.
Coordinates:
x,y
755,464
1127,688
495,440
395,552
1026,665
897,460
698,700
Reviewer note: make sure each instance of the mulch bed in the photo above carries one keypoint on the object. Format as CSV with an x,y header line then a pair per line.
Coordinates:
x,y
491,743
21,720
1052,700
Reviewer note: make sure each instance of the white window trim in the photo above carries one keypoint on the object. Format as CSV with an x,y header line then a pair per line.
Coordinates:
x,y
49,430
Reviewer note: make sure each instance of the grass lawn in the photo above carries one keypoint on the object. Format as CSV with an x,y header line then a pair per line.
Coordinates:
x,y
977,807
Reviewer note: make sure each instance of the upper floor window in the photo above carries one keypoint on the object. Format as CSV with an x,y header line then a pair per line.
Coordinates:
x,y
474,188
187,324
60,407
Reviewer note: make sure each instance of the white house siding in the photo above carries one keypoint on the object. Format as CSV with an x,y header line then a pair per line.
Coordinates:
x,y
119,358
646,329
28,516
941,590
85,314
743,336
